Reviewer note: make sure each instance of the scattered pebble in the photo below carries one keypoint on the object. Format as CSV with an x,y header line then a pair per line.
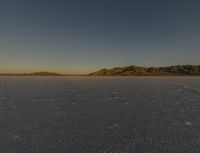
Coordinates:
x,y
53,100
78,95
116,98
3,98
115,125
87,94
149,138
16,137
114,92
198,90
74,103
186,87
188,123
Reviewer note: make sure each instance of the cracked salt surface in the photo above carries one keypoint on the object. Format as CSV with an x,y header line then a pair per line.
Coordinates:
x,y
99,114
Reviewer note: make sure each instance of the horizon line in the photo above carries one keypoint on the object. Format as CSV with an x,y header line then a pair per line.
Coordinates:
x,y
54,73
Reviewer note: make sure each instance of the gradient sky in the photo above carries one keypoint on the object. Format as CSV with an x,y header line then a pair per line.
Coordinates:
x,y
80,36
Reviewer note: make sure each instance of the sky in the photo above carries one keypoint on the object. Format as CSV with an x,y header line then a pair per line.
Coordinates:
x,y
82,36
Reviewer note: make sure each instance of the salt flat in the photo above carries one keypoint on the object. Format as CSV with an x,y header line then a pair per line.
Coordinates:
x,y
99,114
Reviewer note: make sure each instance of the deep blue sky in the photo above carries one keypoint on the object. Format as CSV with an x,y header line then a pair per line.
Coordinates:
x,y
79,36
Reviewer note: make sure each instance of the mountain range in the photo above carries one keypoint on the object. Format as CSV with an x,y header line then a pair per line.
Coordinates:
x,y
178,70
32,74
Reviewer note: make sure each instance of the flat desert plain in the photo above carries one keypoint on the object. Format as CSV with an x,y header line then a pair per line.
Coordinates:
x,y
99,114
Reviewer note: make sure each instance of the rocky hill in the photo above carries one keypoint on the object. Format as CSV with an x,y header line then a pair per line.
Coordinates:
x,y
178,70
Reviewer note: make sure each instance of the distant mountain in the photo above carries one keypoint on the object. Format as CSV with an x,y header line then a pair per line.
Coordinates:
x,y
178,70
45,74
32,74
